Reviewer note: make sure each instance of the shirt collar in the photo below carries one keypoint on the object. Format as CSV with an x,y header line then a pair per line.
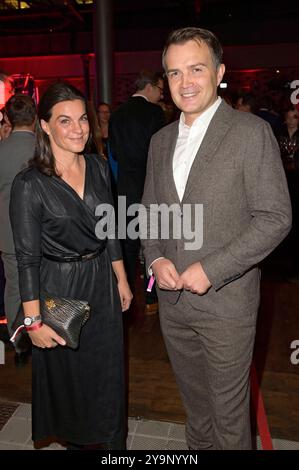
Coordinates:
x,y
142,96
204,119
22,130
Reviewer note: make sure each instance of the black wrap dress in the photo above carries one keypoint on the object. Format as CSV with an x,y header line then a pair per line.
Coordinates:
x,y
77,395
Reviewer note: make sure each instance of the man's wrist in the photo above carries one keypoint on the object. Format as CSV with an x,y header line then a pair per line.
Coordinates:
x,y
150,271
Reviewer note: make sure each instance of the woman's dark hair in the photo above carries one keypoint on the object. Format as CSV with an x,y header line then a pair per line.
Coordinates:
x,y
43,158
95,143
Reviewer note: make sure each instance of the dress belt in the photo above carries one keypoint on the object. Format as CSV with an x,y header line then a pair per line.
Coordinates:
x,y
70,259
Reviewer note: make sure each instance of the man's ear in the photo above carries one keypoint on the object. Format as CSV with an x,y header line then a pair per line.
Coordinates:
x,y
220,73
148,88
45,126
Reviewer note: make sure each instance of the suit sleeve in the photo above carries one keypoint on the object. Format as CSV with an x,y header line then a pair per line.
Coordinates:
x,y
26,220
149,232
269,204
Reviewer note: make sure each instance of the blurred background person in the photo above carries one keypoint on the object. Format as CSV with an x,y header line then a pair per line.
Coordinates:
x,y
99,145
169,111
288,137
95,143
15,151
130,130
266,112
104,112
247,103
5,126
288,140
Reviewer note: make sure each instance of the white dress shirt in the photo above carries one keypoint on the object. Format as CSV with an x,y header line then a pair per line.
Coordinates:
x,y
188,143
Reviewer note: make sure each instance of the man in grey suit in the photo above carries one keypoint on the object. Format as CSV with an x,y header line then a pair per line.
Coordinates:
x,y
228,162
15,151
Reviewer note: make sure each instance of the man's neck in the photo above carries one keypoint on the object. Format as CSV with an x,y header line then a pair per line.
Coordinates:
x,y
24,128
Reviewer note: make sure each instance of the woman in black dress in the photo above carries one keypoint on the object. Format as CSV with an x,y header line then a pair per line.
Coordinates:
x,y
77,395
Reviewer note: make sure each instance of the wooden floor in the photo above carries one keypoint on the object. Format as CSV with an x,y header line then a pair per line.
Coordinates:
x,y
152,390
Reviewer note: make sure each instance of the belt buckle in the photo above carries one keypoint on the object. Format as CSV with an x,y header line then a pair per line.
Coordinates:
x,y
85,257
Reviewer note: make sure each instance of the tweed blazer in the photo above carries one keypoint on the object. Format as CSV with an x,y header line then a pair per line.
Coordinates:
x,y
237,176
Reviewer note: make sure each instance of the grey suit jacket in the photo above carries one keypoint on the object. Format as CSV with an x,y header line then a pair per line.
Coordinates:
x,y
238,177
15,151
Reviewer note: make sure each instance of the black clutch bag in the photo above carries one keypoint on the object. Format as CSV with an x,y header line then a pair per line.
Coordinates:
x,y
65,316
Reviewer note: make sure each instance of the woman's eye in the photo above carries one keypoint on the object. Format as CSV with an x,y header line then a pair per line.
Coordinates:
x,y
64,121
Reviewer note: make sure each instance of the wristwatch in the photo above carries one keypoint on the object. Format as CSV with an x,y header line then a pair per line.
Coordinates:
x,y
28,321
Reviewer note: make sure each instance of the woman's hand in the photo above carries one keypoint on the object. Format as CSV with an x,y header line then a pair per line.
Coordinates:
x,y
45,337
125,294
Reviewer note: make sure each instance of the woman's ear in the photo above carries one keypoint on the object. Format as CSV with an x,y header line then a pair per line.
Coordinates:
x,y
45,126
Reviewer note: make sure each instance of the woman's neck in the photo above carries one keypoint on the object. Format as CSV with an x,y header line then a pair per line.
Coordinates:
x,y
65,162
104,129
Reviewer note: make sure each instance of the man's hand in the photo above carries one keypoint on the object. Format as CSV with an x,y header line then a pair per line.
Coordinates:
x,y
165,273
194,279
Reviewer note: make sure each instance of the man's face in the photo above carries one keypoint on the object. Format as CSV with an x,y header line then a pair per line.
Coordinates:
x,y
156,92
192,78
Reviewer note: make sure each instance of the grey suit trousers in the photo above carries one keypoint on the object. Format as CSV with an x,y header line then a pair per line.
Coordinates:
x,y
12,299
211,357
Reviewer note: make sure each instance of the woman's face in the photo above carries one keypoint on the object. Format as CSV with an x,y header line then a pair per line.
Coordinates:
x,y
68,128
292,120
104,113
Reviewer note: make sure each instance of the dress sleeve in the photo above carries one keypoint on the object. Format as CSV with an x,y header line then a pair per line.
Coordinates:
x,y
26,222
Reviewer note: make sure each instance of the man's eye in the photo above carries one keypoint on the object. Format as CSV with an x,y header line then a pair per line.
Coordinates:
x,y
197,70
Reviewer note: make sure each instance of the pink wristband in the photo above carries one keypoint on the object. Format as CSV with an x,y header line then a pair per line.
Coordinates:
x,y
150,283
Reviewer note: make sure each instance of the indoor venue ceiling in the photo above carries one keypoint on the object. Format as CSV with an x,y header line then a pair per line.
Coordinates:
x,y
235,21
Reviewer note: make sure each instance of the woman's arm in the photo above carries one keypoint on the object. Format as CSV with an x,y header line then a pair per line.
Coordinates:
x,y
122,284
26,222
43,337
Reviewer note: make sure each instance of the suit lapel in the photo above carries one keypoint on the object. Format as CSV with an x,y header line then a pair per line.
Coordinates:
x,y
216,131
167,150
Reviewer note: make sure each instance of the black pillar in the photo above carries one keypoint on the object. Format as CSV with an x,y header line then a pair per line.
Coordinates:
x,y
85,61
103,47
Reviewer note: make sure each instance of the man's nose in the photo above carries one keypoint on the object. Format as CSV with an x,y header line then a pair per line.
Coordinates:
x,y
186,79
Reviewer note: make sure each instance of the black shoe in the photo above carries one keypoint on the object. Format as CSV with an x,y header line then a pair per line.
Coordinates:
x,y
22,358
